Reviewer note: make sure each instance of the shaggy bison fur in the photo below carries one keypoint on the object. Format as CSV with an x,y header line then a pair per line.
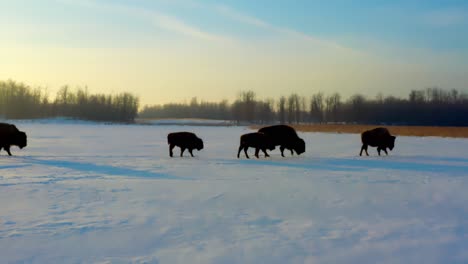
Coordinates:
x,y
286,137
184,140
256,140
377,137
11,136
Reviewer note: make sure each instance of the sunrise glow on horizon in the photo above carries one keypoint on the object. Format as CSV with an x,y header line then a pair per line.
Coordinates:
x,y
170,51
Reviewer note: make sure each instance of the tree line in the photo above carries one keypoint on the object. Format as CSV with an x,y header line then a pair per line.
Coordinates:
x,y
19,101
431,106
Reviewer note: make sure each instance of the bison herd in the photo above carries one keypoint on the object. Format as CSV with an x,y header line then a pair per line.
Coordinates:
x,y
265,139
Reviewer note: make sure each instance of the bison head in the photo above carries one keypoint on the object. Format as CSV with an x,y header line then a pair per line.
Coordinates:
x,y
20,139
299,146
391,142
199,144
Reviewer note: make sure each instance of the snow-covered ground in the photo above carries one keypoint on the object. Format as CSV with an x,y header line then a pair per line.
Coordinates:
x,y
187,122
90,193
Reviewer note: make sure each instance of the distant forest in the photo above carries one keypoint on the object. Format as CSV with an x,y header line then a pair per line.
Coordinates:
x,y
430,107
19,101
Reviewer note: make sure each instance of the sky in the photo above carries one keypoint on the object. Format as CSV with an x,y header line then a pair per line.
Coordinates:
x,y
173,50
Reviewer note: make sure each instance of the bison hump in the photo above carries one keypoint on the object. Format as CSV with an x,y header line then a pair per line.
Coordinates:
x,y
279,130
8,129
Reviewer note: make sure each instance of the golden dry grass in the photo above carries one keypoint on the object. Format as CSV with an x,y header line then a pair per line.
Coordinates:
x,y
418,131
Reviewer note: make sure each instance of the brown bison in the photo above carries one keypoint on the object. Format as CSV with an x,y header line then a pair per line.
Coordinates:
x,y
256,140
184,140
377,137
286,137
11,136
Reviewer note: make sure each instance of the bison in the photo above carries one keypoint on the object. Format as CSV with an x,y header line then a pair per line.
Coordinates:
x,y
11,136
256,140
377,137
184,140
286,137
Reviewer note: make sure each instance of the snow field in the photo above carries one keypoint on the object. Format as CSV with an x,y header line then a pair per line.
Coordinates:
x,y
111,194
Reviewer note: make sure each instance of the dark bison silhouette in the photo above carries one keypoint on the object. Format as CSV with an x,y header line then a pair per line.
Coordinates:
x,y
256,140
286,137
377,137
11,136
184,140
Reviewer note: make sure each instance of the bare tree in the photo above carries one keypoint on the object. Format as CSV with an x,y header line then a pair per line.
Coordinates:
x,y
316,108
294,108
333,103
282,109
357,102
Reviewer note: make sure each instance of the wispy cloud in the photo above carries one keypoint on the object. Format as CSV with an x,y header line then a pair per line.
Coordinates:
x,y
163,21
174,24
238,16
177,25
446,17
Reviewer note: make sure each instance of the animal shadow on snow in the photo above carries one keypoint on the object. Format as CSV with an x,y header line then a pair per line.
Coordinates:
x,y
346,164
99,169
417,164
13,166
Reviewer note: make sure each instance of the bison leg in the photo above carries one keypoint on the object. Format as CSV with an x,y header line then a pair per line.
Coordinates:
x,y
385,150
240,149
171,147
245,151
292,152
265,152
282,150
364,147
378,150
7,149
190,151
182,152
257,150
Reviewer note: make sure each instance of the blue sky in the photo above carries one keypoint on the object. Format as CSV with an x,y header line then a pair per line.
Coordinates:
x,y
174,50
